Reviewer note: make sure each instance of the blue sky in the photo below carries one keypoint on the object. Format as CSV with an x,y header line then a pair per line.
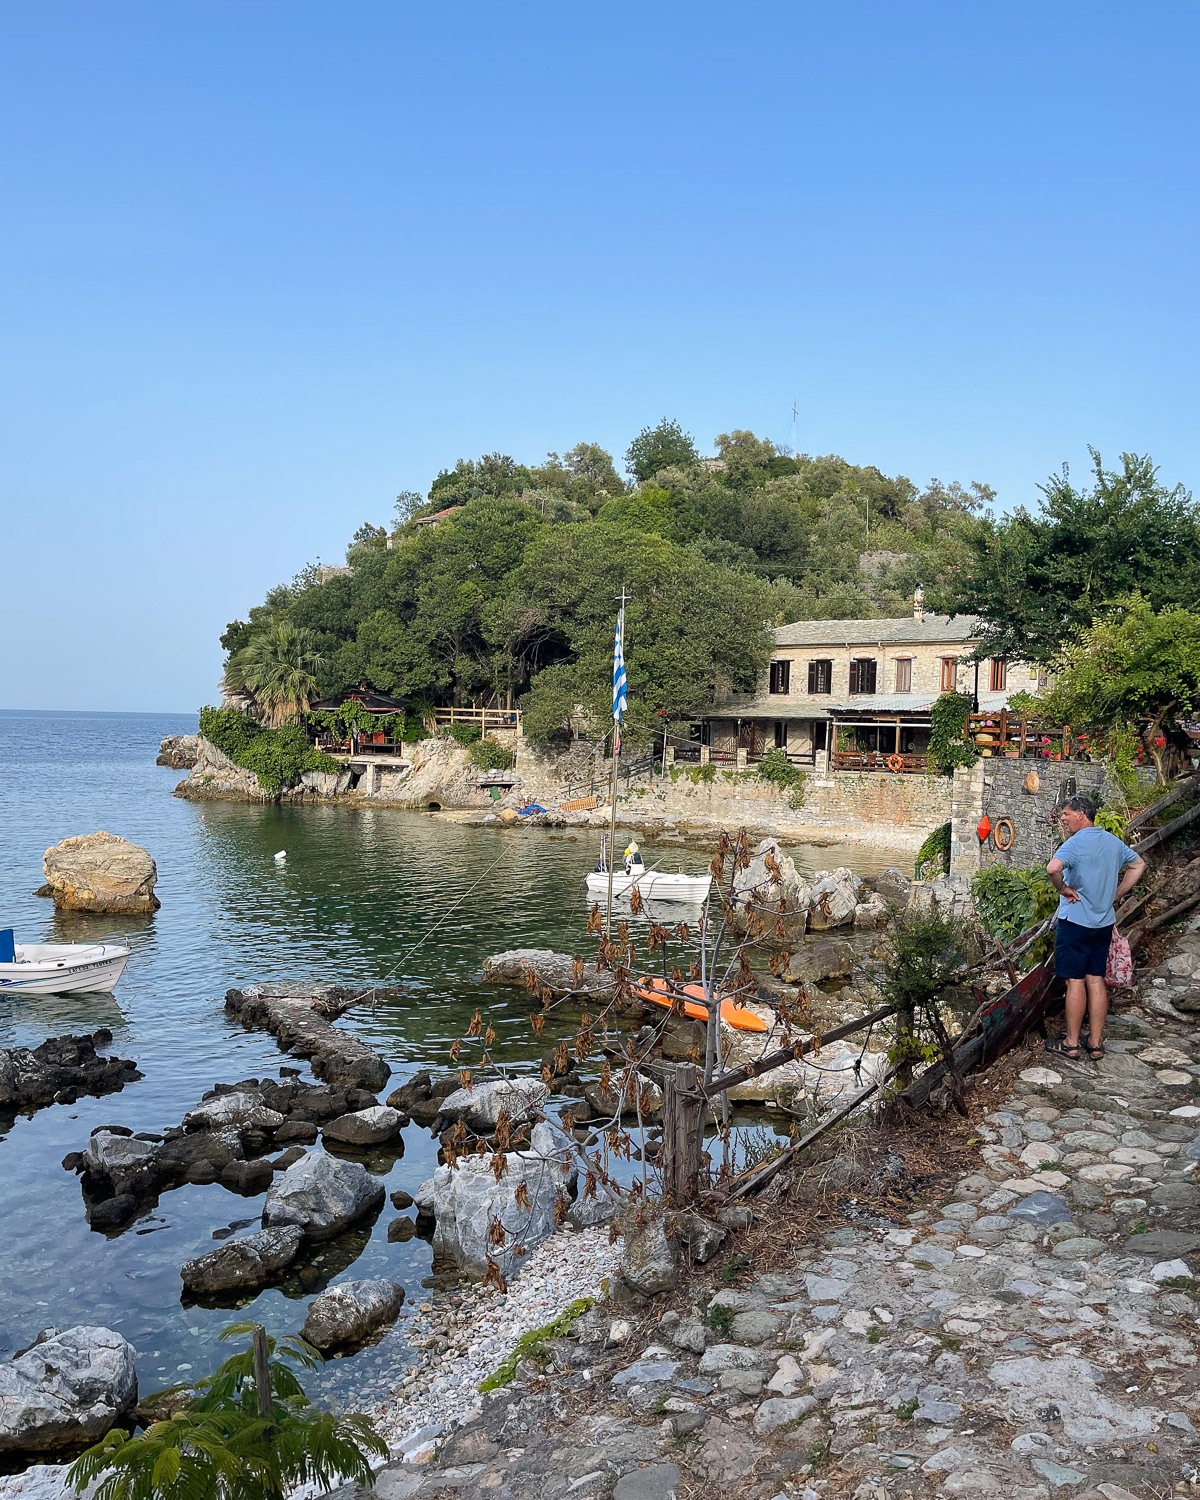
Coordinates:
x,y
264,265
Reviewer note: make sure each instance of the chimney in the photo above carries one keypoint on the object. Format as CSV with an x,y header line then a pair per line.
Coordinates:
x,y
919,603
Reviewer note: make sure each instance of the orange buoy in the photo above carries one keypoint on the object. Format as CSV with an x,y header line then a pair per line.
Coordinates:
x,y
659,992
983,828
894,763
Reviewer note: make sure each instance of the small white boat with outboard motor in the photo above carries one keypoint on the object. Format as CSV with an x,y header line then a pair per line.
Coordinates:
x,y
59,968
653,884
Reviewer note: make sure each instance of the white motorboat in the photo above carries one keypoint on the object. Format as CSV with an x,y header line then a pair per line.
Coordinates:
x,y
62,968
654,885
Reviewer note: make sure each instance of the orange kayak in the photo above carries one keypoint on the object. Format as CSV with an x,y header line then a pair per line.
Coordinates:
x,y
658,992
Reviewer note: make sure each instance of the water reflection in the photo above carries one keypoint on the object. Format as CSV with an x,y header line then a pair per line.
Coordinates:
x,y
359,888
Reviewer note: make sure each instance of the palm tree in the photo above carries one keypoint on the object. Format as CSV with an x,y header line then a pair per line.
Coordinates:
x,y
236,1440
279,668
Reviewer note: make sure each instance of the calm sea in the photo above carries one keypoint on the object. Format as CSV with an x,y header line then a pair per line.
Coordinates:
x,y
358,889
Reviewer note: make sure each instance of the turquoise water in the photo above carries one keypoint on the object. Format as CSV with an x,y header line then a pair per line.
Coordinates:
x,y
359,887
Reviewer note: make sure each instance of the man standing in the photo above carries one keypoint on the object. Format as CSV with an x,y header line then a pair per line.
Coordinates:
x,y
1091,872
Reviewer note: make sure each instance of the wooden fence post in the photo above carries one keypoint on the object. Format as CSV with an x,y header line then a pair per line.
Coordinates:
x,y
262,1373
683,1128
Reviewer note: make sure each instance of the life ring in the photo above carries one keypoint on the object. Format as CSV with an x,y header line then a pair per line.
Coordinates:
x,y
1003,834
894,763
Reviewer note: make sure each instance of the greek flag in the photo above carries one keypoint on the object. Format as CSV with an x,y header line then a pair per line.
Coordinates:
x,y
619,683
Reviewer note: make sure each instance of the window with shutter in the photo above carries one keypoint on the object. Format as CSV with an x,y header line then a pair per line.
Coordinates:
x,y
999,675
820,677
862,674
781,676
904,674
949,673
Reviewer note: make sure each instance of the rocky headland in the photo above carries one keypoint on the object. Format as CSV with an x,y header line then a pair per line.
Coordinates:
x,y
178,751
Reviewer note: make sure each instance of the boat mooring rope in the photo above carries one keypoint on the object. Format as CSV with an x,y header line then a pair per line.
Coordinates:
x,y
373,989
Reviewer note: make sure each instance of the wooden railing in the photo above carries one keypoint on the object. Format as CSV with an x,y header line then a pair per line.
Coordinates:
x,y
487,719
363,744
879,760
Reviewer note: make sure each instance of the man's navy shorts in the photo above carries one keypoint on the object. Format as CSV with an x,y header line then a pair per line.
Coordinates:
x,y
1080,951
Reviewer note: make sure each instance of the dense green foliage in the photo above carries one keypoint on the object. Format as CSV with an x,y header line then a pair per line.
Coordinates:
x,y
219,1448
1133,667
490,755
513,592
1008,901
775,766
1036,579
278,757
933,857
948,744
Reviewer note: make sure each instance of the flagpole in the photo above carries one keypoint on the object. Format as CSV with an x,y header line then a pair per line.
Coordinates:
x,y
618,707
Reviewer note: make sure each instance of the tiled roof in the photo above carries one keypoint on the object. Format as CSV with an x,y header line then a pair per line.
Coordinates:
x,y
901,632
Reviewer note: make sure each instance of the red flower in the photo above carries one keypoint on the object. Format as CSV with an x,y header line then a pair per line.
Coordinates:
x,y
1160,742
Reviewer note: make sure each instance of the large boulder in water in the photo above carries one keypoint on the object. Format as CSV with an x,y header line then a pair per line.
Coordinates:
x,y
100,872
480,1106
833,899
66,1390
776,888
240,1264
346,1315
322,1196
377,1126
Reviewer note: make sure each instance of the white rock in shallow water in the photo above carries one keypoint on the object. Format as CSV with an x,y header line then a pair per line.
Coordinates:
x,y
69,1388
480,1105
322,1195
346,1315
243,1107
108,1153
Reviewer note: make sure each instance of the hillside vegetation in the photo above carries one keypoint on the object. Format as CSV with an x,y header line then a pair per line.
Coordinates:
x,y
515,591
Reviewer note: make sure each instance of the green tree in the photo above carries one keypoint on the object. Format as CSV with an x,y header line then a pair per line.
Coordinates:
x,y
279,669
1134,668
233,1442
663,447
747,458
1035,579
691,627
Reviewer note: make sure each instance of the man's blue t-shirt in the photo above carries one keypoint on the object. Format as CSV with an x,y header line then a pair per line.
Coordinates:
x,y
1093,860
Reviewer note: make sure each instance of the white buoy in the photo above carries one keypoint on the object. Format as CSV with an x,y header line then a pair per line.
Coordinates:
x,y
281,856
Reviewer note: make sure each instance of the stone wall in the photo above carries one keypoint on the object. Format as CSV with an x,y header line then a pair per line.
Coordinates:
x,y
880,808
997,787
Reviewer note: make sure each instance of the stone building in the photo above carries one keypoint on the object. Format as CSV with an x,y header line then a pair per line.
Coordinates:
x,y
862,690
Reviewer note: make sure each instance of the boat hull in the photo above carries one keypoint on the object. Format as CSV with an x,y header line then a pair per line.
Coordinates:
x,y
64,969
657,992
654,885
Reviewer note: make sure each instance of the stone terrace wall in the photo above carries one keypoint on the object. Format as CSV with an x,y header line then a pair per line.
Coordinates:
x,y
997,787
879,807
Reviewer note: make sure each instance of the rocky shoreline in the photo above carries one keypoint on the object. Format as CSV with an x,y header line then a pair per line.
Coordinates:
x,y
1033,1329
439,778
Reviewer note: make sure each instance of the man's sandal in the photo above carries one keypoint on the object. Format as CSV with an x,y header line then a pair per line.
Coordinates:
x,y
1096,1052
1064,1048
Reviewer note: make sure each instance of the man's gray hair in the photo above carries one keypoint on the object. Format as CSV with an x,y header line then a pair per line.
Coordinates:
x,y
1082,804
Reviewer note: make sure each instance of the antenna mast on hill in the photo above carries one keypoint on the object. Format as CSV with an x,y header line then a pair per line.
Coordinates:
x,y
795,428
